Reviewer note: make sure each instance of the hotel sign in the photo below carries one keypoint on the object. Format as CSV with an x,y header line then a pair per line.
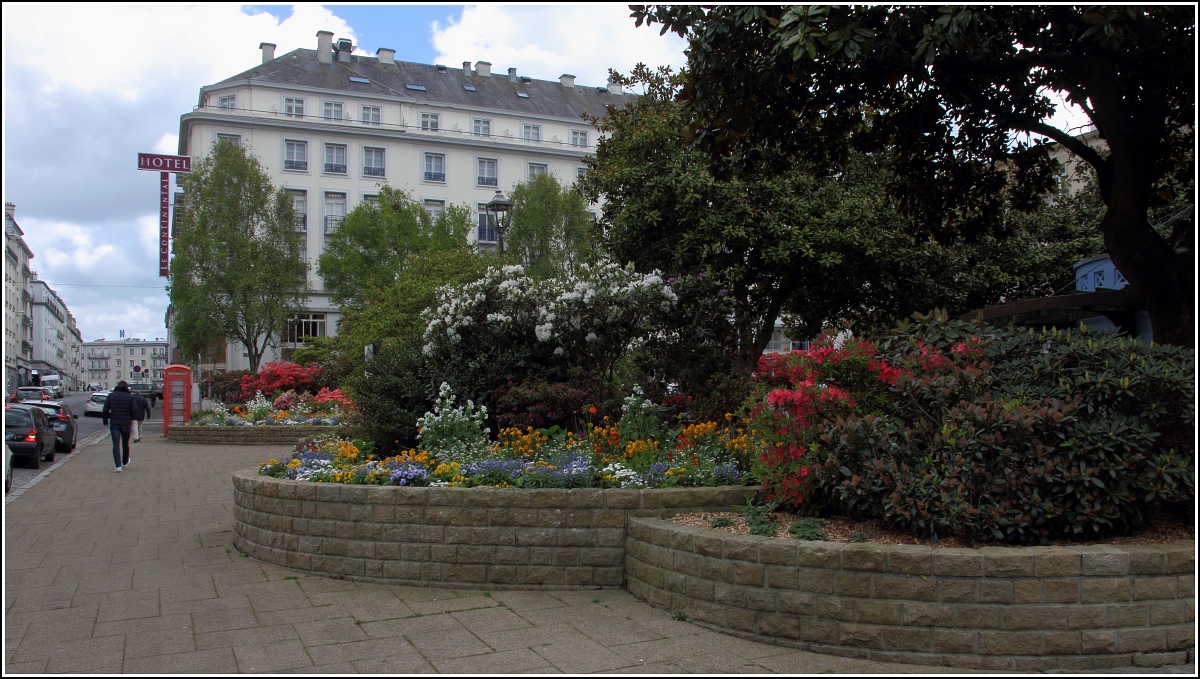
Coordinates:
x,y
164,165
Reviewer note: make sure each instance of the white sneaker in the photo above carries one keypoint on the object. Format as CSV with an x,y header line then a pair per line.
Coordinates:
x,y
117,470
129,463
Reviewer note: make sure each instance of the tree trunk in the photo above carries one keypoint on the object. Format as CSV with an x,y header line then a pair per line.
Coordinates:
x,y
1163,279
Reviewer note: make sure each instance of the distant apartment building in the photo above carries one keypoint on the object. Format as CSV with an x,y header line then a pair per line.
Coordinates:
x,y
332,127
136,361
18,312
57,343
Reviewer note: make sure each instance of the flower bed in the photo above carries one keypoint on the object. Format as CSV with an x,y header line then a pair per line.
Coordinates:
x,y
327,408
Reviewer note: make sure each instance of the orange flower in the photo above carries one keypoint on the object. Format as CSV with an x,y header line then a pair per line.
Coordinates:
x,y
592,410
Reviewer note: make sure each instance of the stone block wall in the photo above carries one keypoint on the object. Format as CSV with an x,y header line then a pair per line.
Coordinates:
x,y
1006,608
247,436
494,537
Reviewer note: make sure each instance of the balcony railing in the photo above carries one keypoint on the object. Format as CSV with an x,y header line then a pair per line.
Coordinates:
x,y
335,168
435,176
487,234
487,181
295,165
373,171
301,221
332,222
344,120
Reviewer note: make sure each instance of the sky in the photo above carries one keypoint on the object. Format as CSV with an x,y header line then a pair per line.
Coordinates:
x,y
89,86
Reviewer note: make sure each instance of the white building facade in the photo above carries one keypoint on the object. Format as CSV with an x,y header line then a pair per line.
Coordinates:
x,y
136,361
18,311
56,349
332,127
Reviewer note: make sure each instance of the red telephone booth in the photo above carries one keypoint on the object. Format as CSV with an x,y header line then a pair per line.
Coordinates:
x,y
177,396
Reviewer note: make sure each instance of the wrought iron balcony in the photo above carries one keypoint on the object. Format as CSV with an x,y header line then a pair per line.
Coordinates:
x,y
295,165
373,171
335,168
487,234
487,181
435,176
332,222
301,221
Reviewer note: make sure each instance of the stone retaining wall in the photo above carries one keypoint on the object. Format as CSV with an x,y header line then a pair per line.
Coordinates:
x,y
1005,608
498,537
247,436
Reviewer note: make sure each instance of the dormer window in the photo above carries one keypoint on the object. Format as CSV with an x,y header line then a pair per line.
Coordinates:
x,y
431,122
227,102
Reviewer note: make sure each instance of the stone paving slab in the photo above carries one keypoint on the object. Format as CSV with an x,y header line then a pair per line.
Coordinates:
x,y
136,573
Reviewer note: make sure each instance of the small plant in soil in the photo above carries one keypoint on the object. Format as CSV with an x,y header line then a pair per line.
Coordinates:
x,y
721,522
808,529
758,517
858,536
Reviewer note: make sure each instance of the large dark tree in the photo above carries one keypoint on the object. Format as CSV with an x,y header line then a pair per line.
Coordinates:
x,y
961,96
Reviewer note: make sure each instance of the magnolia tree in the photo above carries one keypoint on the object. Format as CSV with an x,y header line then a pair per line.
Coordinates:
x,y
588,319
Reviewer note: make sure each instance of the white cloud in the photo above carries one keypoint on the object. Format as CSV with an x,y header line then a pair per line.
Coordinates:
x,y
546,41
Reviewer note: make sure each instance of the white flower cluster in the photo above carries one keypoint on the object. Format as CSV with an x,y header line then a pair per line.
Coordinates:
x,y
636,402
601,308
624,475
454,433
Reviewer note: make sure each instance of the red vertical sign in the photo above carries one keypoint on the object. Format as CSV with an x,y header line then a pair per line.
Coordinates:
x,y
164,165
164,223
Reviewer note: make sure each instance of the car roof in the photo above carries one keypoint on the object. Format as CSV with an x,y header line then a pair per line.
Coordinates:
x,y
23,406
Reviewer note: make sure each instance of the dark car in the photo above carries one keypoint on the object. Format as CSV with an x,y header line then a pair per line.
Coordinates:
x,y
27,393
147,392
63,421
27,431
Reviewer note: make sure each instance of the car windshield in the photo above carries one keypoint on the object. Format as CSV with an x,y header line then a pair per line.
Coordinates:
x,y
49,410
17,418
99,398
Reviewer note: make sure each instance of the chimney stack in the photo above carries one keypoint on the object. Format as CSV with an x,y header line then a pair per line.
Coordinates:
x,y
10,210
567,80
483,68
512,75
325,47
386,56
344,48
615,88
467,69
268,51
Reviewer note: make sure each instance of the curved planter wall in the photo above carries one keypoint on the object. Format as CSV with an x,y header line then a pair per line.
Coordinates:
x,y
247,436
453,536
1008,608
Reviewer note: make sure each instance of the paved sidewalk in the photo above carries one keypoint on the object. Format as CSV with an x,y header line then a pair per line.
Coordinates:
x,y
136,573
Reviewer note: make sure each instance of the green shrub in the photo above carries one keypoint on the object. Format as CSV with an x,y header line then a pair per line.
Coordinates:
x,y
808,529
721,522
1005,434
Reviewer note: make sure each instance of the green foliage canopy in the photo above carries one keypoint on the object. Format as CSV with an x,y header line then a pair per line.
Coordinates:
x,y
551,228
368,251
956,92
236,271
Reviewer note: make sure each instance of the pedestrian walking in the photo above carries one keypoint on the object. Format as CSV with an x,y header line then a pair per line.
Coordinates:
x,y
141,412
118,416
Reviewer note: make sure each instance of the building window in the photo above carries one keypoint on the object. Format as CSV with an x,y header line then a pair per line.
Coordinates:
x,y
435,167
431,122
536,169
435,207
293,107
487,225
305,325
227,102
235,139
487,172
370,115
481,127
531,132
372,162
579,138
118,363
335,211
333,110
371,199
335,158
580,172
295,155
300,207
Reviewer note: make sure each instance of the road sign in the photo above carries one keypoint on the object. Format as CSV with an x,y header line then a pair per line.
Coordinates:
x,y
137,368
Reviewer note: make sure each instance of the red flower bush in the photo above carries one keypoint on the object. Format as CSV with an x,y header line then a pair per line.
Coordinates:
x,y
279,376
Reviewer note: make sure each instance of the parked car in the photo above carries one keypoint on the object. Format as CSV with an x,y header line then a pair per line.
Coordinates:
x,y
8,456
63,421
95,404
31,393
28,432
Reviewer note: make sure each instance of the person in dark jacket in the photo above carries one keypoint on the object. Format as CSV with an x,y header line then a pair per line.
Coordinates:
x,y
118,416
141,411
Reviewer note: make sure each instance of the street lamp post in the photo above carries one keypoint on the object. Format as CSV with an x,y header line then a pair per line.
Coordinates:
x,y
497,209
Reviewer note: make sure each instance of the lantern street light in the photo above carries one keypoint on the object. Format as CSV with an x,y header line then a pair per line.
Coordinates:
x,y
497,209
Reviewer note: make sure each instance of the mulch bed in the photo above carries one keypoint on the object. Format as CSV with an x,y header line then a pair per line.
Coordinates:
x,y
1161,528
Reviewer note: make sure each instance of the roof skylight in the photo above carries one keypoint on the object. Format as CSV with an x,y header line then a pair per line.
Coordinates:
x,y
419,88
354,79
469,88
522,95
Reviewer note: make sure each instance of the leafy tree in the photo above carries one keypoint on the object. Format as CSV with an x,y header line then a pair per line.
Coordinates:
x,y
236,271
957,93
370,247
551,231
